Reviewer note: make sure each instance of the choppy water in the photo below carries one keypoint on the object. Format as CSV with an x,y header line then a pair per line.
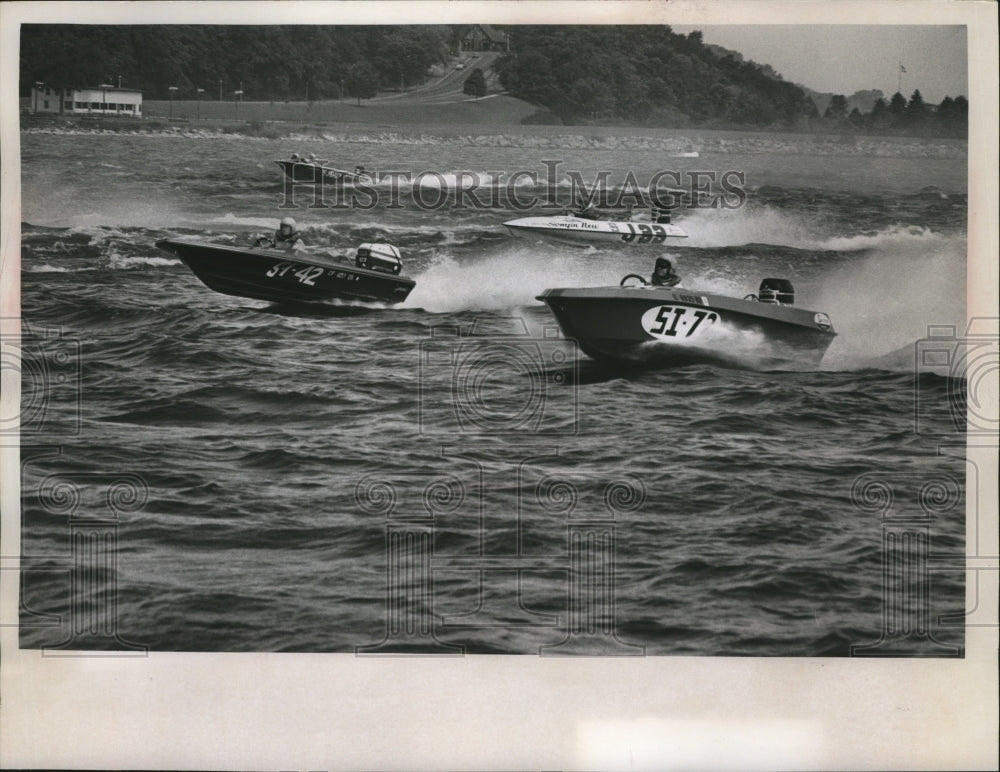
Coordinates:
x,y
265,465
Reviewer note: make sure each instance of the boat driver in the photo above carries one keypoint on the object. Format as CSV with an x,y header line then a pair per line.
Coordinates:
x,y
586,211
664,274
286,237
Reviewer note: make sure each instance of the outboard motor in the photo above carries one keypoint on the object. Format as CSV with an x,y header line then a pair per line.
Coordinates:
x,y
379,257
777,291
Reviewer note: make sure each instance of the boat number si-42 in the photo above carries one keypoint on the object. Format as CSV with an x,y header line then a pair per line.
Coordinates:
x,y
666,322
643,233
306,275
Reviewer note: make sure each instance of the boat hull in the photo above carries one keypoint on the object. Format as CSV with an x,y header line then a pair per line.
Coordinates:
x,y
285,277
578,231
664,325
318,173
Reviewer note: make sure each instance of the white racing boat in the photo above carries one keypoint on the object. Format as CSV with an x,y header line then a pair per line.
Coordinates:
x,y
584,231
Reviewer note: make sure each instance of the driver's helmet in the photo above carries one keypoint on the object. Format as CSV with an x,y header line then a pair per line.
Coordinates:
x,y
287,226
662,264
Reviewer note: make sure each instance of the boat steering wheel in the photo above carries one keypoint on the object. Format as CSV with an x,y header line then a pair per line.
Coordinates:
x,y
632,276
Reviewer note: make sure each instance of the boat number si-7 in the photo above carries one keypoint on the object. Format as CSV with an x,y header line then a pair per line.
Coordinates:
x,y
643,233
666,322
306,275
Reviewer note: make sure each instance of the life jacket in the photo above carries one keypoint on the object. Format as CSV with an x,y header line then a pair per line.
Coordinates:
x,y
291,238
670,280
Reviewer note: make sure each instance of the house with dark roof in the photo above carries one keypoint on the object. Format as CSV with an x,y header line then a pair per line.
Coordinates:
x,y
483,37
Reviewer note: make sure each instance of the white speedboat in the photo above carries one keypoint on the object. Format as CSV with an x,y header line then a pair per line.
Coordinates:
x,y
583,231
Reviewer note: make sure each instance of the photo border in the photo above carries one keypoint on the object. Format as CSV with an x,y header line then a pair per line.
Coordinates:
x,y
332,711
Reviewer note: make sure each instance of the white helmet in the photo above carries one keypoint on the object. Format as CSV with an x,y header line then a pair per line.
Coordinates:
x,y
289,222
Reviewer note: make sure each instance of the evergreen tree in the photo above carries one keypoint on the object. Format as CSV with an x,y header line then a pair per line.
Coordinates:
x,y
879,117
915,108
897,105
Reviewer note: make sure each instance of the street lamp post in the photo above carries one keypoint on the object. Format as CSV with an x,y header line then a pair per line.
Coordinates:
x,y
200,92
171,89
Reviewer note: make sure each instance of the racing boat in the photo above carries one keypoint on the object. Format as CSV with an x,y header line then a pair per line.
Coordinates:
x,y
295,277
643,323
584,231
315,172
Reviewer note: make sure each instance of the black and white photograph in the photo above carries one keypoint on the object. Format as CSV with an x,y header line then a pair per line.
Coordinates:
x,y
627,371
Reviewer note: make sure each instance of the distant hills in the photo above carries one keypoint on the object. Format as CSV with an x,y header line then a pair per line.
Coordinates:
x,y
611,75
653,76
646,75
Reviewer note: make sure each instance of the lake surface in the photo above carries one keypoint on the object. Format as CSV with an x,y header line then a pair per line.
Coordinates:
x,y
249,478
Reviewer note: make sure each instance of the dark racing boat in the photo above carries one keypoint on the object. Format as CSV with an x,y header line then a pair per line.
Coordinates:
x,y
322,172
295,277
673,325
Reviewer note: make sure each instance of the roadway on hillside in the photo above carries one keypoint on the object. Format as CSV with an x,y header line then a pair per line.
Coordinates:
x,y
446,88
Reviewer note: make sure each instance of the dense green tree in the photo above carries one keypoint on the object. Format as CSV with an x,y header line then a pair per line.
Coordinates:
x,y
271,62
837,109
649,70
361,81
475,84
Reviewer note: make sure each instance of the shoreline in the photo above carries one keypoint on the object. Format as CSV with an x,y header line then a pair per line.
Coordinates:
x,y
494,115
676,142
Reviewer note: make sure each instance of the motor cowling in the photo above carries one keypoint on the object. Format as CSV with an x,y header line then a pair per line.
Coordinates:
x,y
777,291
379,257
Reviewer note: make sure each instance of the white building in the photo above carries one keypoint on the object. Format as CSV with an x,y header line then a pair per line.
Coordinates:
x,y
96,100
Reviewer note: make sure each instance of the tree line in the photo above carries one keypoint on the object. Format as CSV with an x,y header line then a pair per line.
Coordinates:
x,y
949,118
654,76
265,62
645,74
